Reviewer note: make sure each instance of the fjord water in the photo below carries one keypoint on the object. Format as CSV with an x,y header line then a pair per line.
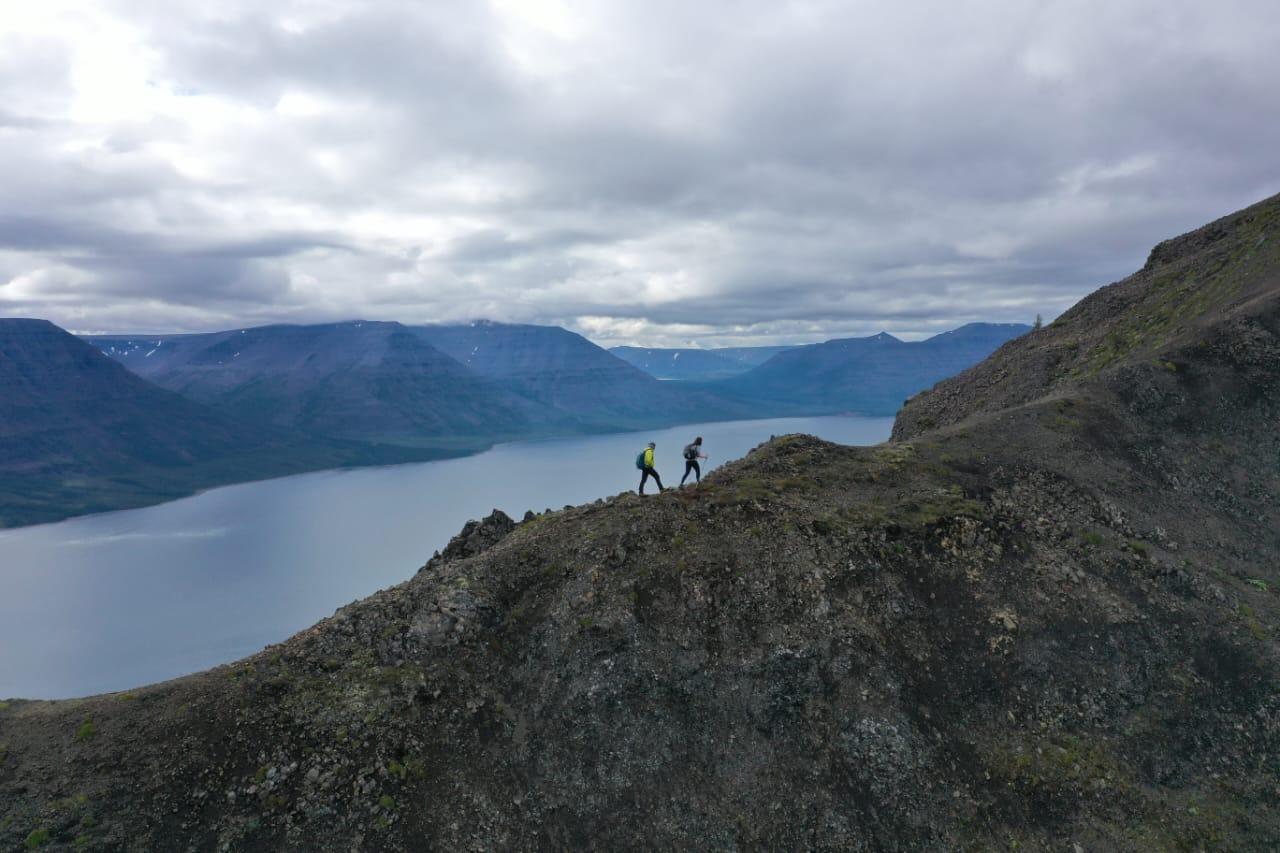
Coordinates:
x,y
124,599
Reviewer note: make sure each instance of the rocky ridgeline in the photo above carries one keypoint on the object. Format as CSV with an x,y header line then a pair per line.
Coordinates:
x,y
1188,285
1049,625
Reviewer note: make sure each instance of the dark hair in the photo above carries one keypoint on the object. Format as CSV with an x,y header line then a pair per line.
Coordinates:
x,y
698,440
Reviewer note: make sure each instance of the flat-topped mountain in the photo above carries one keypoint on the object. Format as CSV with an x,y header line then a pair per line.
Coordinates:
x,y
80,433
869,375
1047,621
65,406
567,372
696,364
361,381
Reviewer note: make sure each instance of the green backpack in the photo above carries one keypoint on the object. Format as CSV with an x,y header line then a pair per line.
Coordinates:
x,y
640,460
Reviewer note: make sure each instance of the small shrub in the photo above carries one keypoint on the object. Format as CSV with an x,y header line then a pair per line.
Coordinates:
x,y
1092,537
387,802
37,839
1246,614
79,801
86,732
1257,583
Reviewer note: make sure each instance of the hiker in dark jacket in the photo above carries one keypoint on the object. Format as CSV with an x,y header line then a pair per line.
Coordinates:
x,y
692,453
647,469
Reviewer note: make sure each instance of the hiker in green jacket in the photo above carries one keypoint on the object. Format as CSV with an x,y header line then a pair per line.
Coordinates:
x,y
645,463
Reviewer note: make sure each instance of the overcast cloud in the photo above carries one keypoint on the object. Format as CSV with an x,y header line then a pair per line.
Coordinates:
x,y
650,171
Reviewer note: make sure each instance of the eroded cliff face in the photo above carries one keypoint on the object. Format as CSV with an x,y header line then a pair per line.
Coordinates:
x,y
1047,624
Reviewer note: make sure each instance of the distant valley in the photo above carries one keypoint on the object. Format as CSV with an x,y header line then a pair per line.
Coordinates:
x,y
871,375
696,364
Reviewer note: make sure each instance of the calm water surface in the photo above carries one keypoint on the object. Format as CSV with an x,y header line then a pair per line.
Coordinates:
x,y
114,601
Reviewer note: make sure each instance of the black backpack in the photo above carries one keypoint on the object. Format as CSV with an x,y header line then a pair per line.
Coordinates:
x,y
691,452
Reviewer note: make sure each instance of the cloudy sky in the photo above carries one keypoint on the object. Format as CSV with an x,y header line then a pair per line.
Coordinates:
x,y
642,171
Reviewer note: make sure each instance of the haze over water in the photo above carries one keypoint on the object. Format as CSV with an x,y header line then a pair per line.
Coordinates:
x,y
120,600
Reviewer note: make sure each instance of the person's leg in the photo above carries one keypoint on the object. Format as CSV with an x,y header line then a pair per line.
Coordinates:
x,y
653,472
688,466
644,478
697,471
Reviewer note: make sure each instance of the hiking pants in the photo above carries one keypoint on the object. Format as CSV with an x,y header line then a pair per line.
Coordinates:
x,y
691,465
644,478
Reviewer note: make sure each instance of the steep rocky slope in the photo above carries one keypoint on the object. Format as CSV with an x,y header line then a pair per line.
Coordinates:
x,y
1049,625
1189,285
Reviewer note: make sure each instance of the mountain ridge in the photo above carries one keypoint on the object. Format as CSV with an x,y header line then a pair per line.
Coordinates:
x,y
1232,260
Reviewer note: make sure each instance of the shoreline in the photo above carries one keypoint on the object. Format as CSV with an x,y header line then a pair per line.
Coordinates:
x,y
445,454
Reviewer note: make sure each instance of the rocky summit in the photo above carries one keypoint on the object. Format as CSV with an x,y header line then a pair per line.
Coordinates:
x,y
1044,617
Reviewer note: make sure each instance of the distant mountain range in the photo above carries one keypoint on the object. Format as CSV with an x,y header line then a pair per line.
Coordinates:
x,y
438,386
80,433
576,378
696,364
870,376
362,381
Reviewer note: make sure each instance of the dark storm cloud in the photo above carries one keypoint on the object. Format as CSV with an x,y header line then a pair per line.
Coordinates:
x,y
658,172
